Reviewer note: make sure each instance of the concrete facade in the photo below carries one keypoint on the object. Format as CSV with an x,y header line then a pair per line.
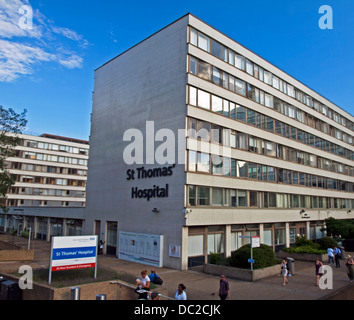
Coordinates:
x,y
149,88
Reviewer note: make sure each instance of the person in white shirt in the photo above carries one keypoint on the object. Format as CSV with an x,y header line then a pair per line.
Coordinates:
x,y
330,256
180,293
143,284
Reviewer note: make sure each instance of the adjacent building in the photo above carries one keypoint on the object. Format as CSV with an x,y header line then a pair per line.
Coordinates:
x,y
50,174
255,152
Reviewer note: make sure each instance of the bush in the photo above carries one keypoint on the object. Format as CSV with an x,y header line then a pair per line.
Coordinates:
x,y
304,242
327,242
263,257
215,258
304,249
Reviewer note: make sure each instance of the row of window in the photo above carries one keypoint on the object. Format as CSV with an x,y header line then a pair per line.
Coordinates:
x,y
55,147
228,167
229,56
205,100
52,158
52,181
222,197
43,203
198,129
48,192
273,235
208,72
47,169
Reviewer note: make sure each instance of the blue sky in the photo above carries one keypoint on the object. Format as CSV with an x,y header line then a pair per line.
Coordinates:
x,y
49,69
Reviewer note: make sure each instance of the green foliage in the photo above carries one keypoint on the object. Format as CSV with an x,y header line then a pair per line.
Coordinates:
x,y
215,258
263,257
304,242
327,242
304,249
343,228
13,123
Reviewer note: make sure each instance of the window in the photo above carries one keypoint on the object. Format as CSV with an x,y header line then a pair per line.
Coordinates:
x,y
217,199
242,198
249,67
216,104
217,165
275,82
267,77
203,162
241,113
193,65
216,134
192,165
251,117
239,62
241,141
253,199
192,96
216,49
203,99
217,76
203,130
194,37
242,169
204,70
240,87
203,196
203,42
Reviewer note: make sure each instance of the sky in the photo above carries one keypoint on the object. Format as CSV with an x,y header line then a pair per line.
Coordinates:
x,y
48,52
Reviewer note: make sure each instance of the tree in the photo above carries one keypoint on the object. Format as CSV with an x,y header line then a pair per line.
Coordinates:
x,y
343,228
11,124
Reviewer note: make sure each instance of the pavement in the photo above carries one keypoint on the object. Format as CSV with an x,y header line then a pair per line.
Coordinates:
x,y
202,286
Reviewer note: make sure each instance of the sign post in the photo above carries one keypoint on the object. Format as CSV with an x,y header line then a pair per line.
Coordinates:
x,y
68,253
255,243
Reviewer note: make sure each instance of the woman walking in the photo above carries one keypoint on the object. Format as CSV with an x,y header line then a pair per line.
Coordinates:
x,y
284,272
350,268
319,270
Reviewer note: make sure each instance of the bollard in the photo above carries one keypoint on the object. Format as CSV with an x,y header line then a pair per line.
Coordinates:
x,y
75,293
101,297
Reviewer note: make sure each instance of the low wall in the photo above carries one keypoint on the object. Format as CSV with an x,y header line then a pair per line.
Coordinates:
x,y
303,256
241,274
10,252
116,291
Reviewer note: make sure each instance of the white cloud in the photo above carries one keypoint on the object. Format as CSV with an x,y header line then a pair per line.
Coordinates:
x,y
21,49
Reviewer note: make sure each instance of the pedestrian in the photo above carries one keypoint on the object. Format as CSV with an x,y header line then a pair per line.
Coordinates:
x,y
350,268
155,296
155,278
143,286
319,270
337,253
101,247
284,272
224,290
330,256
180,293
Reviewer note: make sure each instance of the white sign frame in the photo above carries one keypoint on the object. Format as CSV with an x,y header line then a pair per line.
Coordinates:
x,y
69,253
141,248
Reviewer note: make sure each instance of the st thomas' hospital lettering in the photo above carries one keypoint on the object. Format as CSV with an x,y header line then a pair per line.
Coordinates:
x,y
155,191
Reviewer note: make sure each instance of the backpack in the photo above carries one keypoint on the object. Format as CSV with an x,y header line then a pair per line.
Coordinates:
x,y
158,280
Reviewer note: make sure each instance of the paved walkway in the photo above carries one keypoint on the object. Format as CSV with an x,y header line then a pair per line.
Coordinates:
x,y
201,286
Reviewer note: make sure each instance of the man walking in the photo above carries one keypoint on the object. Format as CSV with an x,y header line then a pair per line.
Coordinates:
x,y
337,254
224,291
330,256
